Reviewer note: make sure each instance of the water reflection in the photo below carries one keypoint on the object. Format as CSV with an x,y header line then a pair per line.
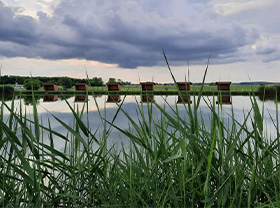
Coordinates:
x,y
61,110
113,99
184,99
28,100
6,96
147,98
225,100
80,98
50,98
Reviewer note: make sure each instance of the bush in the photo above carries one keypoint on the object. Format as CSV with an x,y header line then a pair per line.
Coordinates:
x,y
36,83
269,92
6,90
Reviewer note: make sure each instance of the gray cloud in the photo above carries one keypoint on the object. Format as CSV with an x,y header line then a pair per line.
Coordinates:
x,y
127,33
17,29
266,20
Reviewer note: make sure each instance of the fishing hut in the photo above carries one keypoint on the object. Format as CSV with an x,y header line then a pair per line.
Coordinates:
x,y
224,86
184,86
113,86
81,86
50,87
148,86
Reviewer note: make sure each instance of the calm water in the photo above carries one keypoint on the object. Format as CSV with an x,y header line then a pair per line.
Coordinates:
x,y
54,105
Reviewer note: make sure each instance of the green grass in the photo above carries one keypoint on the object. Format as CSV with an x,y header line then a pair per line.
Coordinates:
x,y
163,88
171,161
159,89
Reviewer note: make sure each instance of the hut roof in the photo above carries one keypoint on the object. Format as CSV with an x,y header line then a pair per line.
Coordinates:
x,y
112,83
219,83
147,83
184,82
80,84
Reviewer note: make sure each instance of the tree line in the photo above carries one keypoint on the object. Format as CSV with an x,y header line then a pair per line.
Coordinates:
x,y
65,82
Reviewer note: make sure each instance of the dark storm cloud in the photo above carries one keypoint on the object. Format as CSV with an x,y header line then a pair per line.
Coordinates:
x,y
18,29
127,33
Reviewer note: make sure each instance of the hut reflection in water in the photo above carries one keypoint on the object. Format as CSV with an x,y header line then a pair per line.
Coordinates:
x,y
147,98
80,98
184,99
50,98
225,99
113,99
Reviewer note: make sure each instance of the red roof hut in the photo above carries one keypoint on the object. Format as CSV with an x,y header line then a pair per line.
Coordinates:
x,y
148,86
183,86
225,86
81,86
50,87
113,86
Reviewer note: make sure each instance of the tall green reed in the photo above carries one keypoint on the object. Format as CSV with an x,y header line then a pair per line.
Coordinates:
x,y
171,161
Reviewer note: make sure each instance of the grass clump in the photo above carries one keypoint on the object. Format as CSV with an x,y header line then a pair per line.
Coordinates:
x,y
171,161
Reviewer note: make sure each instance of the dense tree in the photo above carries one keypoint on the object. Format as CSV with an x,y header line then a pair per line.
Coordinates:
x,y
32,83
123,82
97,81
66,82
112,79
6,90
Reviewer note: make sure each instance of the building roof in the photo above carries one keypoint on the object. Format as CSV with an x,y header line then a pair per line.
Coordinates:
x,y
80,84
184,83
147,83
113,83
219,83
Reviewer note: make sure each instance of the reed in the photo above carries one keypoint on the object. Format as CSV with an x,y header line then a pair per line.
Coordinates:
x,y
171,161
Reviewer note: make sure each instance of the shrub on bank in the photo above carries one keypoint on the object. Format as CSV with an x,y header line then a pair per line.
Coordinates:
x,y
269,92
6,90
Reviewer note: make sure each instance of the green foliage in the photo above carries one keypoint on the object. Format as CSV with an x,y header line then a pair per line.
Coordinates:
x,y
6,90
269,92
32,82
96,81
171,162
66,82
112,80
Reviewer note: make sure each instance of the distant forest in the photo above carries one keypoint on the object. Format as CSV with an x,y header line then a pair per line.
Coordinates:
x,y
66,82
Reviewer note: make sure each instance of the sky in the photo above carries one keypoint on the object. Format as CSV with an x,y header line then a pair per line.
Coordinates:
x,y
125,39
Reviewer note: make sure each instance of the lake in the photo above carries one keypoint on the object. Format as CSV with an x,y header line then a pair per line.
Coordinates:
x,y
106,107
